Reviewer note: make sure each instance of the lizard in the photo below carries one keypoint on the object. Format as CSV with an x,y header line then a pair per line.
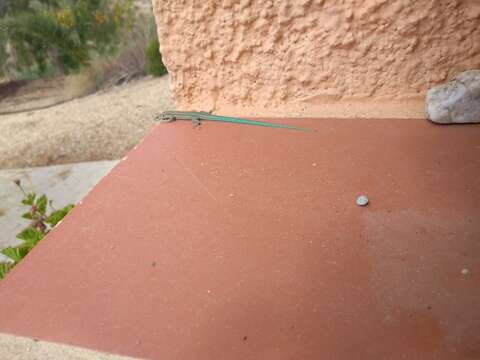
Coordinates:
x,y
197,117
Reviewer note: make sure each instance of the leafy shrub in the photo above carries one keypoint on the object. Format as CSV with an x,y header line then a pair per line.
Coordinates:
x,y
155,64
38,34
41,223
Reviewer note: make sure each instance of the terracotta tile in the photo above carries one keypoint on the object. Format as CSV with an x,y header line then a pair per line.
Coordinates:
x,y
239,242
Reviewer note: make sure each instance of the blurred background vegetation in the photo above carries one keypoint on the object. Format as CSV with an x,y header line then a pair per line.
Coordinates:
x,y
101,42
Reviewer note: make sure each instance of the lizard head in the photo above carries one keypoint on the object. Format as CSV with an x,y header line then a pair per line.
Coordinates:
x,y
163,117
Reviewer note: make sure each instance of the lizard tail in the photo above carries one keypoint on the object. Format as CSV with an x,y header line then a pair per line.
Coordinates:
x,y
255,122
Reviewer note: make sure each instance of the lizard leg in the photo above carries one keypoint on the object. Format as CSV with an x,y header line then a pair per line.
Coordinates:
x,y
196,122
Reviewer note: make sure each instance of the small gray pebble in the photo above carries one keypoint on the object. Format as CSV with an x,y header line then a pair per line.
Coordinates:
x,y
362,200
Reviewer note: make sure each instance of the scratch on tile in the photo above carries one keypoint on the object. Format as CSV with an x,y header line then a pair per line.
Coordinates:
x,y
196,178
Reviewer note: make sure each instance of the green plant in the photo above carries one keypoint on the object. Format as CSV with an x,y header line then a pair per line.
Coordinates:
x,y
39,34
41,223
155,64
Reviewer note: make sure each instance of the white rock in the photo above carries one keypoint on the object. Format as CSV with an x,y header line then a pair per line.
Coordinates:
x,y
457,101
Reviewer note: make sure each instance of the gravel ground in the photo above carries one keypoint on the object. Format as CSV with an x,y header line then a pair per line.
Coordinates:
x,y
100,126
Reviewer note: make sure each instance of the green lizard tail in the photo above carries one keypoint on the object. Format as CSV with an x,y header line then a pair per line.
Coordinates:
x,y
253,122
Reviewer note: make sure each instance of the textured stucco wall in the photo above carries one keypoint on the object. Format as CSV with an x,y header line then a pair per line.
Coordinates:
x,y
315,57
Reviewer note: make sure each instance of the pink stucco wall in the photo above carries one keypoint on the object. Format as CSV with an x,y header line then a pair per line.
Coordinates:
x,y
315,57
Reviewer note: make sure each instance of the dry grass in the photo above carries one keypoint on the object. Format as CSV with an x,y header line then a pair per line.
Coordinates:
x,y
130,61
77,85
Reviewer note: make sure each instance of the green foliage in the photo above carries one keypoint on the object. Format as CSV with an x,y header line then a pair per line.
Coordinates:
x,y
29,199
154,59
54,218
5,268
15,253
40,34
41,204
31,236
41,223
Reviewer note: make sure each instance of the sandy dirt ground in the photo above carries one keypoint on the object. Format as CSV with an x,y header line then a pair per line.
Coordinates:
x,y
104,125
21,348
22,95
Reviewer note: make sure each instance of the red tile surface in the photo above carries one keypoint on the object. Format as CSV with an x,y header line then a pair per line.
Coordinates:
x,y
243,242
